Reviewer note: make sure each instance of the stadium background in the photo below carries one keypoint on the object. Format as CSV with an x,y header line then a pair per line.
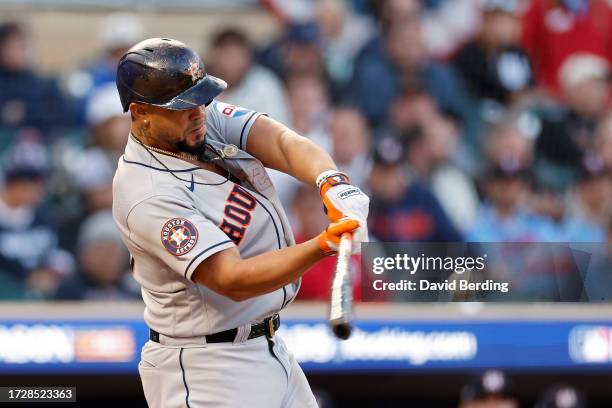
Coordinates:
x,y
465,120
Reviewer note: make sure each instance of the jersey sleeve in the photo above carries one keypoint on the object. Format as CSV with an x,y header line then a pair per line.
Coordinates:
x,y
175,233
230,124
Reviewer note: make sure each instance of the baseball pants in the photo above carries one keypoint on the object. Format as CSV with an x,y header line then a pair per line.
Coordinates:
x,y
223,375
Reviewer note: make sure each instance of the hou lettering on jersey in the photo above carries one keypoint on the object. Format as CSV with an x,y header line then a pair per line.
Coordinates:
x,y
238,207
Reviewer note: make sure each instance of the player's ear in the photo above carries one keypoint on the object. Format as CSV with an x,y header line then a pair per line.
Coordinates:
x,y
138,111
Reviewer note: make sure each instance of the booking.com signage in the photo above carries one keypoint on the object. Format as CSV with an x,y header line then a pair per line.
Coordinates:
x,y
113,346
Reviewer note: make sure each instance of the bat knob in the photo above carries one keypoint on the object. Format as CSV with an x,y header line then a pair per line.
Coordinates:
x,y
342,330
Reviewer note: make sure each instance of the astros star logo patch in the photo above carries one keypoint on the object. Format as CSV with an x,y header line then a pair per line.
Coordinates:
x,y
179,236
195,71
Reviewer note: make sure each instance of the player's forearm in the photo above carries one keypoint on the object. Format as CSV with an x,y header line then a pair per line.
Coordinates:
x,y
239,279
305,159
272,270
280,148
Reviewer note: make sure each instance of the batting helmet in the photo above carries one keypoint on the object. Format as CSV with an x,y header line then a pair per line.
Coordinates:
x,y
165,73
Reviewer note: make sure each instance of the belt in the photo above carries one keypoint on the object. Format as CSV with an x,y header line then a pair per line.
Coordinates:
x,y
268,327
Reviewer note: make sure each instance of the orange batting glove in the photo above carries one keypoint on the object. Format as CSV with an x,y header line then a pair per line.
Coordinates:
x,y
330,238
342,200
334,180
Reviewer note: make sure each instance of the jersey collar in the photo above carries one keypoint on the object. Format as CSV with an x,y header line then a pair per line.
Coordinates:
x,y
137,154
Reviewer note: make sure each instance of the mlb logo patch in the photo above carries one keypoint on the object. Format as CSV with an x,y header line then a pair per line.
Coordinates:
x,y
591,344
231,111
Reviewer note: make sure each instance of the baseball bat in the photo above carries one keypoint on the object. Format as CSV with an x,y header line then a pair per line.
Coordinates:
x,y
341,299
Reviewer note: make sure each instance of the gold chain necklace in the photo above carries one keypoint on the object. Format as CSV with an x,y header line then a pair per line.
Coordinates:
x,y
182,155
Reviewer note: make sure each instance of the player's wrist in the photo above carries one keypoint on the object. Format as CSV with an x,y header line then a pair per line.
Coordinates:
x,y
329,179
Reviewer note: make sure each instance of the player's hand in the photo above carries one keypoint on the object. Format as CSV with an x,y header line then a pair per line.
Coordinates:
x,y
341,200
329,240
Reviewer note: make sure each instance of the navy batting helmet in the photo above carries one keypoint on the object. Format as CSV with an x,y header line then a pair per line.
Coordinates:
x,y
165,73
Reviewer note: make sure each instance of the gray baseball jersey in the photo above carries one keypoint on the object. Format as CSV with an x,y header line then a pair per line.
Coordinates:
x,y
173,215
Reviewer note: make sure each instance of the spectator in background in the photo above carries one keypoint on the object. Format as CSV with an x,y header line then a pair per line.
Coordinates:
x,y
570,131
90,169
321,37
402,207
411,109
103,264
297,52
26,98
494,66
510,145
249,85
489,390
581,212
561,396
504,215
308,218
31,263
553,30
350,142
396,62
509,142
92,173
589,202
108,125
89,177
342,34
116,34
309,108
430,160
432,141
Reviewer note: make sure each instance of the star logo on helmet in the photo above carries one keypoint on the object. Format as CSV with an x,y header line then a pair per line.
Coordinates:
x,y
195,71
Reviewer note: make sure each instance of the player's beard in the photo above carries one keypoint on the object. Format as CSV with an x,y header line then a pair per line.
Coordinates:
x,y
195,149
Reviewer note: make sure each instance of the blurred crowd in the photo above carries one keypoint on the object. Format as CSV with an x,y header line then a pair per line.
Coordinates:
x,y
495,389
490,388
464,120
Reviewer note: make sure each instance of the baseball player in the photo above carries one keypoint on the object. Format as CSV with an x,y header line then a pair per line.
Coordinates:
x,y
210,243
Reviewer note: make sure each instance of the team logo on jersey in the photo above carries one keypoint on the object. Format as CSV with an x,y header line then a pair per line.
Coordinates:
x,y
230,110
179,236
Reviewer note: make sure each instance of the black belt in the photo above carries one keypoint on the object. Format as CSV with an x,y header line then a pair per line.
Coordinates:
x,y
268,327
